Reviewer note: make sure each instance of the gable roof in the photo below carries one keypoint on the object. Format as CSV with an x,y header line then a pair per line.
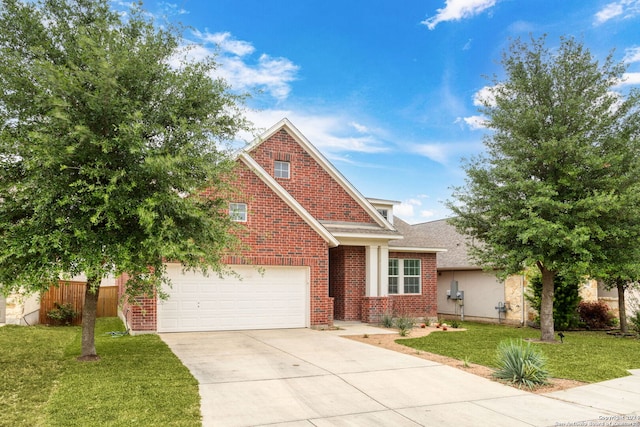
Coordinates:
x,y
414,239
326,165
443,235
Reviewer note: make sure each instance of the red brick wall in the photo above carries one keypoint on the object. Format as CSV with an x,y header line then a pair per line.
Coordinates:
x,y
418,305
140,313
309,183
348,281
273,235
276,235
373,308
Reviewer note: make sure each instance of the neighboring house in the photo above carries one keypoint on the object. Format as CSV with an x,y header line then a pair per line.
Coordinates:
x,y
486,297
317,250
17,309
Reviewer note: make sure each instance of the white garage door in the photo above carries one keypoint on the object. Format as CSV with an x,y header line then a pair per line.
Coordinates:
x,y
266,298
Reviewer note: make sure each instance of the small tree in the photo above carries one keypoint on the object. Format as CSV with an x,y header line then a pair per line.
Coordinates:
x,y
559,181
105,147
621,285
565,302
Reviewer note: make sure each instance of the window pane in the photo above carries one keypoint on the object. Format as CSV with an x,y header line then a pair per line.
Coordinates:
x,y
412,267
412,285
393,276
411,277
393,285
393,267
238,212
281,169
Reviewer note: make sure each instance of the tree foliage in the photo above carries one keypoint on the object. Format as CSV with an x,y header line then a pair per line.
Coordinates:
x,y
566,298
558,186
108,135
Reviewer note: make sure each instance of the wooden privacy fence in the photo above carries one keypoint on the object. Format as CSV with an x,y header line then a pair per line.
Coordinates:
x,y
69,292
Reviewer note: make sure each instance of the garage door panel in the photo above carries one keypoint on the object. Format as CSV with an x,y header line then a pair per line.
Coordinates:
x,y
272,297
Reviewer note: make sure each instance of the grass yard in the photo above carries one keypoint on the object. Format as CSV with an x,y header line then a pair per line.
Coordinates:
x,y
584,356
138,380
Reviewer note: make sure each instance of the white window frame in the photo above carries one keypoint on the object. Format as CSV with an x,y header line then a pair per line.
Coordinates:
x,y
238,212
282,169
400,277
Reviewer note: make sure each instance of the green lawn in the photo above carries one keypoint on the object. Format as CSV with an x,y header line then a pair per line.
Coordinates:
x,y
584,356
138,380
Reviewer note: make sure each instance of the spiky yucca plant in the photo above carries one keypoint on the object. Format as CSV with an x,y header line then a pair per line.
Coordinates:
x,y
521,364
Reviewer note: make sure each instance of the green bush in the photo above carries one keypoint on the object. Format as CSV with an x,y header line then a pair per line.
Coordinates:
x,y
565,300
635,322
62,314
404,325
521,364
387,320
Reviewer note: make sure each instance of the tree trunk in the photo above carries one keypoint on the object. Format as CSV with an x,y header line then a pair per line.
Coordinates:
x,y
89,313
546,305
622,308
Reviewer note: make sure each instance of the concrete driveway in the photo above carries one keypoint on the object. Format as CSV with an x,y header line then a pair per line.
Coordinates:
x,y
303,377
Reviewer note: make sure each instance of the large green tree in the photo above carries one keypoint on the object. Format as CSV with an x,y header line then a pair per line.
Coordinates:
x,y
558,185
108,134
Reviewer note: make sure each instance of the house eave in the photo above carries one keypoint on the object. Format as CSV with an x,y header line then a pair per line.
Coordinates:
x,y
414,249
365,236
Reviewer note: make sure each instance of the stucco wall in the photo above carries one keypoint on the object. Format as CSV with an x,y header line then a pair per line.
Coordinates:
x,y
22,310
482,293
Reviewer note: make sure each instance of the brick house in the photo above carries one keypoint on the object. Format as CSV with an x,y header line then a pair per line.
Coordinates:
x,y
317,250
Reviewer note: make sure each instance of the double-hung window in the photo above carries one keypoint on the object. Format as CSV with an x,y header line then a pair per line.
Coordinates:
x,y
238,212
404,276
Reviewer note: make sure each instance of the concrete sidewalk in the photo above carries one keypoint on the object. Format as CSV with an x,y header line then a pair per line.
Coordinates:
x,y
303,377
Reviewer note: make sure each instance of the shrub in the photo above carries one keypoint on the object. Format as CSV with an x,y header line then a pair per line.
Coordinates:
x,y
454,324
595,315
521,364
404,325
566,298
635,322
62,314
387,320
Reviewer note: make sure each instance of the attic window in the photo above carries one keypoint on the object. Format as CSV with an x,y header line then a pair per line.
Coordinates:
x,y
238,212
384,213
281,169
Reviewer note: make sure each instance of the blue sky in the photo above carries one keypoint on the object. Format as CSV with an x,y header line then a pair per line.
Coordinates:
x,y
387,89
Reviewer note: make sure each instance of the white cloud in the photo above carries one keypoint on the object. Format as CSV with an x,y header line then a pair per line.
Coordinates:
x,y
631,54
456,10
406,209
446,153
426,214
473,122
329,133
630,79
436,152
419,209
486,94
622,8
274,75
238,66
226,43
360,128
